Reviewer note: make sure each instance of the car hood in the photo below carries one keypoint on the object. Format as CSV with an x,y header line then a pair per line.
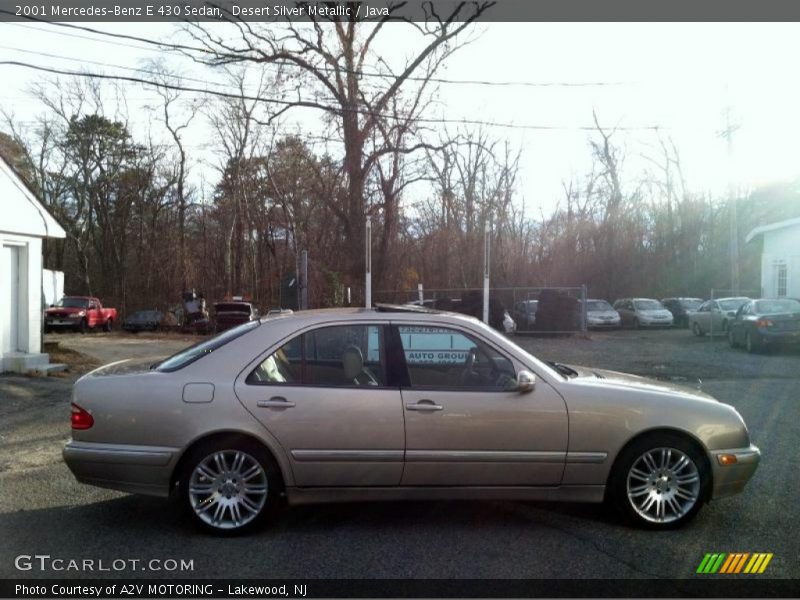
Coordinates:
x,y
606,378
63,310
655,312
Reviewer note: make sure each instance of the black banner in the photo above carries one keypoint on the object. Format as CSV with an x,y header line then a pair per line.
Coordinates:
x,y
701,587
415,10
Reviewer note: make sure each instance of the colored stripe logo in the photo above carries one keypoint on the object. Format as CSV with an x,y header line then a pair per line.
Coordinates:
x,y
735,562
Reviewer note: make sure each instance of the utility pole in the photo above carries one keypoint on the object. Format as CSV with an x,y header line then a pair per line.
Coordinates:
x,y
487,245
727,133
368,265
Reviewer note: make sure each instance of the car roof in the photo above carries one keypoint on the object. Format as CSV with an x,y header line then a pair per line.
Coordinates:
x,y
381,313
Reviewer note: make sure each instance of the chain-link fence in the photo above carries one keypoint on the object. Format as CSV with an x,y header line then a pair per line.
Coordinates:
x,y
532,309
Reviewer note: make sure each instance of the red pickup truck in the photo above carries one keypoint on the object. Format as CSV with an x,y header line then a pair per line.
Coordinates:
x,y
79,313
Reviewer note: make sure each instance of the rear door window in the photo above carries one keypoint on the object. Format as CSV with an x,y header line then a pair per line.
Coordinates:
x,y
336,356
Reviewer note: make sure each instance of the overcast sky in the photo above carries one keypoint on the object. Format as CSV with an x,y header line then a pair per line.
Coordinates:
x,y
680,77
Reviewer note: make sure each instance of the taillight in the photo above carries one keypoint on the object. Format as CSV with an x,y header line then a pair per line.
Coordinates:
x,y
81,418
764,323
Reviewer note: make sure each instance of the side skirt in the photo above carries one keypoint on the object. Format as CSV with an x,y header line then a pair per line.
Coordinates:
x,y
566,493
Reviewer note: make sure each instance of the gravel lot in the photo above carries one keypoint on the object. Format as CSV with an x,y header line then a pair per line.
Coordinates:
x,y
43,510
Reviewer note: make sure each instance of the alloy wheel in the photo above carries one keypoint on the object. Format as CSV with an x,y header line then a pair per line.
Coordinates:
x,y
663,485
228,489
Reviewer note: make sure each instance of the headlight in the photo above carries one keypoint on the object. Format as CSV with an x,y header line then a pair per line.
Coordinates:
x,y
81,314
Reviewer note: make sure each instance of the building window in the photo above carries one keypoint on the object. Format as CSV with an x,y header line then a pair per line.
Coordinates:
x,y
781,281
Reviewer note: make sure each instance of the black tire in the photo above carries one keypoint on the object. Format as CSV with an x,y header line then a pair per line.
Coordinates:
x,y
617,491
753,346
47,329
636,324
230,444
732,339
109,325
697,330
83,326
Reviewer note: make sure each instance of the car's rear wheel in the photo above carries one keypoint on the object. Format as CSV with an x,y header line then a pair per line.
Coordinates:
x,y
660,482
696,329
230,486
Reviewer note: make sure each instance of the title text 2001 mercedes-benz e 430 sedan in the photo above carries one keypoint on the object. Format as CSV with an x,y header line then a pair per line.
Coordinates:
x,y
395,403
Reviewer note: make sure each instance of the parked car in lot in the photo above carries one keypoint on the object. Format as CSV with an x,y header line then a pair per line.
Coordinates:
x,y
763,324
396,403
143,320
714,316
601,315
680,309
524,313
231,313
643,312
79,313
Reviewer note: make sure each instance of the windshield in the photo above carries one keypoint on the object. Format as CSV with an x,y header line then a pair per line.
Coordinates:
x,y
690,304
648,305
732,304
73,303
598,305
193,353
774,307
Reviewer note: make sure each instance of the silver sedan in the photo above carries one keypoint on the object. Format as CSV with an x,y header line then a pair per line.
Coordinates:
x,y
396,403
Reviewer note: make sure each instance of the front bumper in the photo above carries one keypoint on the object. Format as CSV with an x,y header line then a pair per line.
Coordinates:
x,y
731,479
128,468
604,324
656,323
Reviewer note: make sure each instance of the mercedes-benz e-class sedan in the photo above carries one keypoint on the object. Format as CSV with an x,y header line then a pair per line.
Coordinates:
x,y
396,403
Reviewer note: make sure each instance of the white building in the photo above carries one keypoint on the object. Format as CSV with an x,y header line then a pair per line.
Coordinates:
x,y
24,222
780,258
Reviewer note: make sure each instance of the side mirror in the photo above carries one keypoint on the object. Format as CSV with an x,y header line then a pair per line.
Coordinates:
x,y
526,381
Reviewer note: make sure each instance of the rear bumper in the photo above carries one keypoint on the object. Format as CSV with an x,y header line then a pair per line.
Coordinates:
x,y
731,479
128,468
777,338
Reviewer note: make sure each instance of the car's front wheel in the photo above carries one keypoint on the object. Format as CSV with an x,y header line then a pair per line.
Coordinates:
x,y
696,329
660,481
752,344
732,339
230,486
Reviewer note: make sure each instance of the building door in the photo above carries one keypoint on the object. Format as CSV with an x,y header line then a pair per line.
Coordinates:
x,y
9,298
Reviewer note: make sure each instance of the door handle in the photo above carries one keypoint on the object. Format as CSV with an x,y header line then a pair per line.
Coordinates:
x,y
275,402
424,405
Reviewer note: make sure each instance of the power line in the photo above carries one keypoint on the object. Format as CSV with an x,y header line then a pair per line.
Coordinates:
x,y
196,49
314,104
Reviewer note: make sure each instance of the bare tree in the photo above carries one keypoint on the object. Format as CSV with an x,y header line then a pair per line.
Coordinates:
x,y
330,55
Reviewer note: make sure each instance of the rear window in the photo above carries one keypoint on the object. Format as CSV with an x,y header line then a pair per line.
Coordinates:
x,y
232,307
691,304
774,307
204,348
